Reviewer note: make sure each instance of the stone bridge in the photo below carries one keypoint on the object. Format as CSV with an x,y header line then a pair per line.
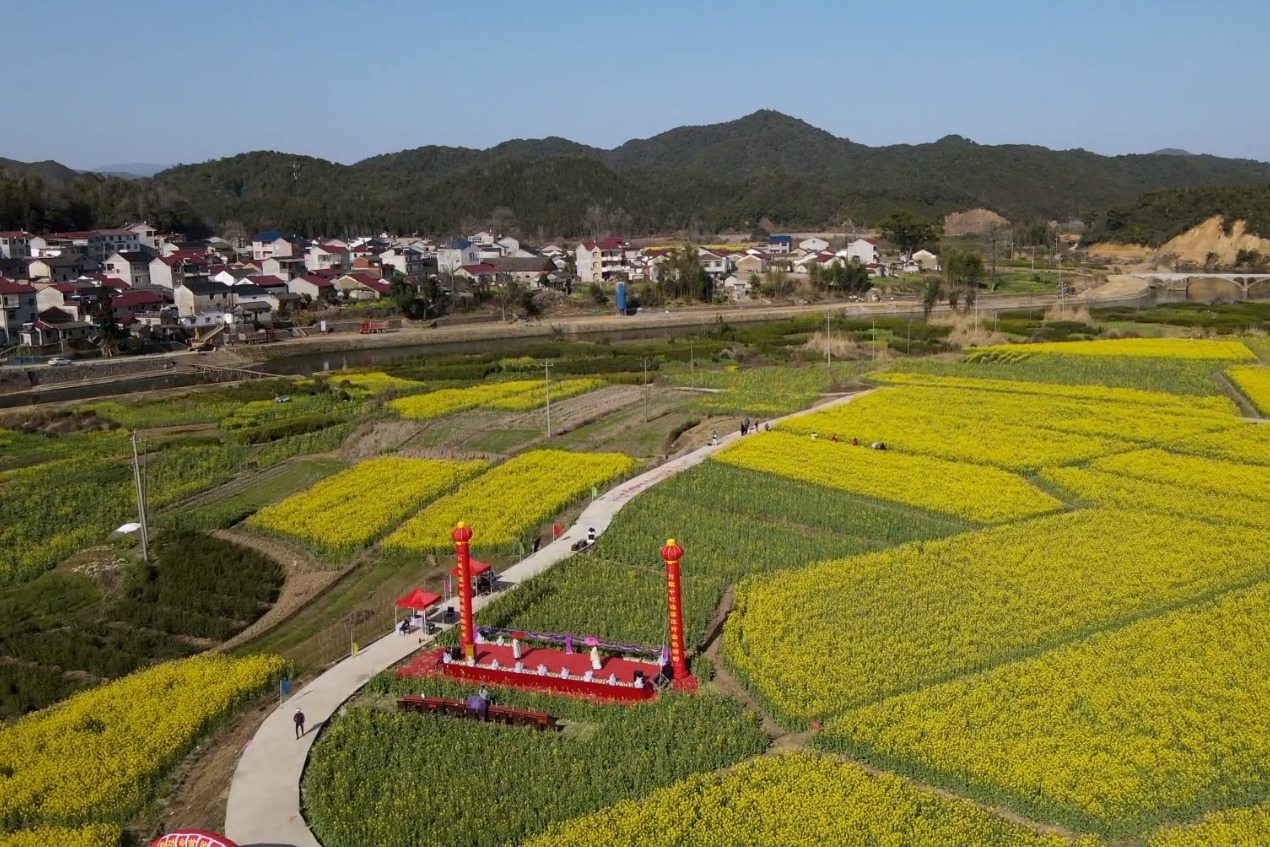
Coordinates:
x,y
1227,286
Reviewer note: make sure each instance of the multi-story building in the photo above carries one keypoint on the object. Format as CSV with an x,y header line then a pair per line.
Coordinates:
x,y
17,307
863,250
132,268
601,260
457,254
15,244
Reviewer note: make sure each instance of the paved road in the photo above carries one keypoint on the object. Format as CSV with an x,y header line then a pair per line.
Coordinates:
x,y
264,795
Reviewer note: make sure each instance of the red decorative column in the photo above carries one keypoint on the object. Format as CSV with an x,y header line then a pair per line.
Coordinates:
x,y
462,536
671,554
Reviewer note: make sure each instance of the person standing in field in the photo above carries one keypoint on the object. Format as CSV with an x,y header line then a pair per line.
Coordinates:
x,y
299,723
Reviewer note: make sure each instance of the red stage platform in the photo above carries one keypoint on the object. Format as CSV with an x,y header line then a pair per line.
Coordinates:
x,y
483,672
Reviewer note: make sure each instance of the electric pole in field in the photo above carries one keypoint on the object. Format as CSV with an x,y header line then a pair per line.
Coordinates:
x,y
828,348
692,366
645,390
546,369
141,500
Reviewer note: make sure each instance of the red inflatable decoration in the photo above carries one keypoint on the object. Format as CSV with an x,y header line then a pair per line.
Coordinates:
x,y
192,838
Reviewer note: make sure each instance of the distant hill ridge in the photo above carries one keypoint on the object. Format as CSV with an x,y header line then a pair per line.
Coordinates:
x,y
766,166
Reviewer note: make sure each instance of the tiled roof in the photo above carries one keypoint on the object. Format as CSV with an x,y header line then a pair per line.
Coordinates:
x,y
9,286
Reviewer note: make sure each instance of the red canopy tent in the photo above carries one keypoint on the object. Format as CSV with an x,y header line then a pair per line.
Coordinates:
x,y
418,600
478,568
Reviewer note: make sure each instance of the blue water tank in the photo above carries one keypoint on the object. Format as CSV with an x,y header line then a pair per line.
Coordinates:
x,y
621,297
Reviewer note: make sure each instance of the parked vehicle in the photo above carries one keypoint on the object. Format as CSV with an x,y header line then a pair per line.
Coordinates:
x,y
373,326
60,361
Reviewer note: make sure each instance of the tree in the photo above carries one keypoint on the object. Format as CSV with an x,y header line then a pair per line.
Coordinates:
x,y
1249,259
510,293
406,296
962,272
908,232
109,333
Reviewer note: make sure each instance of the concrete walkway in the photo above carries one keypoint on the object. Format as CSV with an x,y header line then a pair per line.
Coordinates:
x,y
264,795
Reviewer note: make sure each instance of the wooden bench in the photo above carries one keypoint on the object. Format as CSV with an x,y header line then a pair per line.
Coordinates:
x,y
458,709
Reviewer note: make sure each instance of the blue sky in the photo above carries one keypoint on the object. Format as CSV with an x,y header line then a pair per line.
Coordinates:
x,y
91,83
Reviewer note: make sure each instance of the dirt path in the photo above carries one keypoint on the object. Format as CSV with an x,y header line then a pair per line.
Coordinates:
x,y
200,789
306,580
1245,406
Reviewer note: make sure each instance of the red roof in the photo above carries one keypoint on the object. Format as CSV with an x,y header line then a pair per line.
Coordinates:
x,y
14,233
872,241
9,286
319,281
418,599
482,268
115,282
478,568
267,281
332,248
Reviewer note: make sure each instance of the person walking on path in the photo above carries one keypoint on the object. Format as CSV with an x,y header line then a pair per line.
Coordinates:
x,y
299,723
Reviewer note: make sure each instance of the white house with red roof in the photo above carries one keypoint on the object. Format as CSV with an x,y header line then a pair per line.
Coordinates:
x,y
134,302
325,257
313,287
601,260
864,251
132,267
17,307
363,286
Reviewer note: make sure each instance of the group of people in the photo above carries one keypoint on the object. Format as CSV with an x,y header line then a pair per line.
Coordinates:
x,y
747,426
855,442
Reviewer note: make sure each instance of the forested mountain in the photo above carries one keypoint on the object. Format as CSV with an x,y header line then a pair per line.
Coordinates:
x,y
764,168
1158,216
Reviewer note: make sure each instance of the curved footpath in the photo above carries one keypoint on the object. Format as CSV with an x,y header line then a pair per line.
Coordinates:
x,y
264,795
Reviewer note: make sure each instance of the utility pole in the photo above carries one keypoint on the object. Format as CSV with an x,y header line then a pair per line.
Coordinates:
x,y
875,341
828,348
645,390
141,500
692,366
546,369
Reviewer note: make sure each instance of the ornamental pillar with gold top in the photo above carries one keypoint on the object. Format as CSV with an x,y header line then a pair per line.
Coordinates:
x,y
462,536
671,554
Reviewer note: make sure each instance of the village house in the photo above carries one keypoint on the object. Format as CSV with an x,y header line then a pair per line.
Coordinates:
x,y
312,287
15,244
813,244
780,245
133,268
201,296
58,268
362,286
734,288
749,264
133,303
714,262
525,271
602,260
457,253
480,273
78,299
408,261
275,242
54,331
17,307
326,257
864,251
286,267
925,260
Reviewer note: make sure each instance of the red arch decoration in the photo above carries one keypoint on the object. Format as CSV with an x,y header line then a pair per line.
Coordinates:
x,y
192,838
